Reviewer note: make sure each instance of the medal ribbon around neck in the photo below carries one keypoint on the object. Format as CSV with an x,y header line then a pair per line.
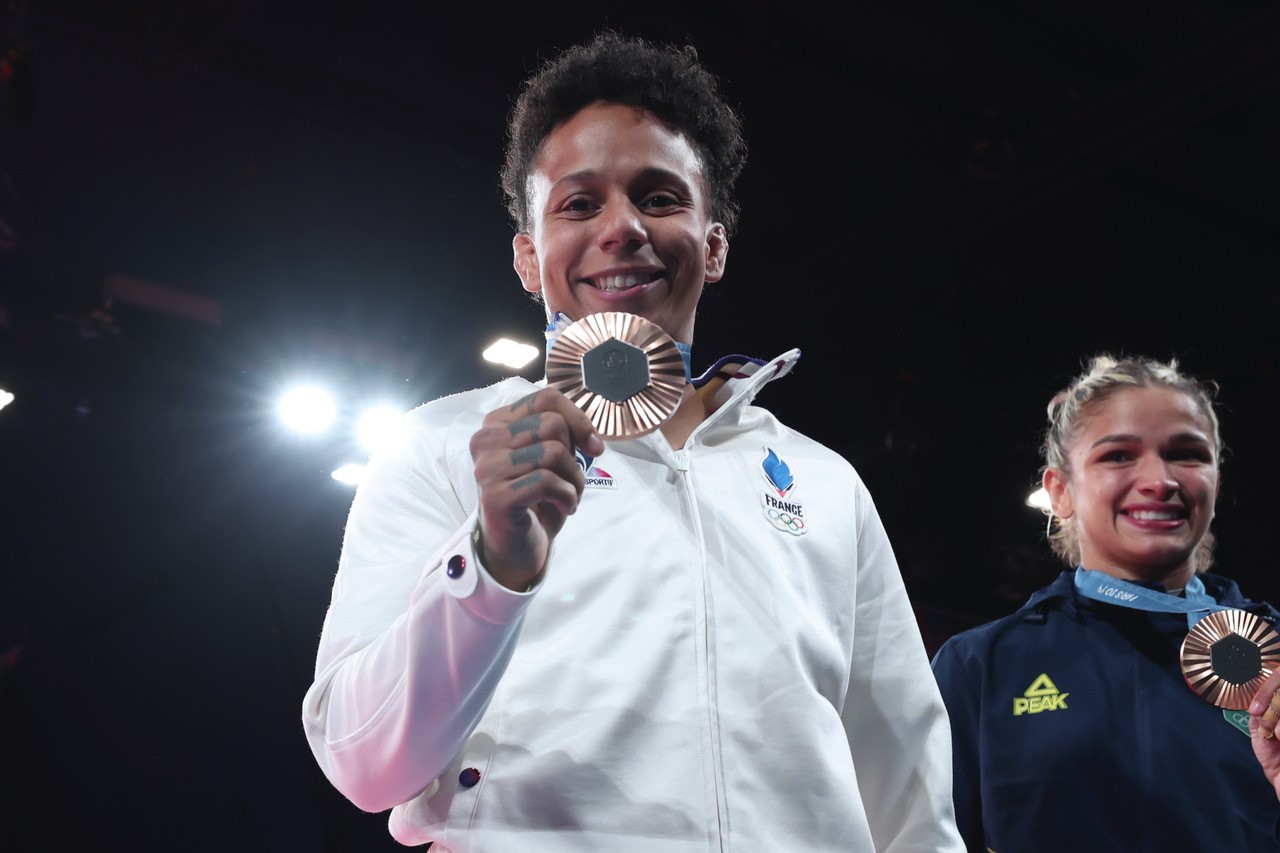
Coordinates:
x,y
1111,590
1227,654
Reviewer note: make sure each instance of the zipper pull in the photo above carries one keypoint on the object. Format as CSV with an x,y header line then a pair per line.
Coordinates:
x,y
682,460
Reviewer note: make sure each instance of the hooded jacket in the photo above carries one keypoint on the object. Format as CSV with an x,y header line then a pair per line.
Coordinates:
x,y
721,655
1074,729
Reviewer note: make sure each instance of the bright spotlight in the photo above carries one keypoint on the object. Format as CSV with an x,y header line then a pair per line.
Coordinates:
x,y
5,398
308,409
349,474
380,428
1039,499
510,353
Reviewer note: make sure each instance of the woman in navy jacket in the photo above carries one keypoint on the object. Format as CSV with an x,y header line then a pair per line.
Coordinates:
x,y
1074,727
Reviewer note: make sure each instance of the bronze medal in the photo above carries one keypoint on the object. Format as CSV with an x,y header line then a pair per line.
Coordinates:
x,y
625,372
1227,656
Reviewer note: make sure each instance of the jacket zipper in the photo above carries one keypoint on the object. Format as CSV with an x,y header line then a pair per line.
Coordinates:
x,y
681,462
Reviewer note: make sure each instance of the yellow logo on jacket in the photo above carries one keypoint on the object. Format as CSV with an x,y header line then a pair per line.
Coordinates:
x,y
1042,695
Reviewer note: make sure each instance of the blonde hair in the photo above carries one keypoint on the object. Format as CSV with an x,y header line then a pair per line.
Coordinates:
x,y
1104,376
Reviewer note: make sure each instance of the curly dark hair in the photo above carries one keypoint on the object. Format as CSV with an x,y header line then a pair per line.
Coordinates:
x,y
667,81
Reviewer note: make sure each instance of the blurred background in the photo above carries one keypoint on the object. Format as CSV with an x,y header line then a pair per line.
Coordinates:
x,y
204,204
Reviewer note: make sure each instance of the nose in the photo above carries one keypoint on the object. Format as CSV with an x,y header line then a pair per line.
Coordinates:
x,y
1155,479
620,227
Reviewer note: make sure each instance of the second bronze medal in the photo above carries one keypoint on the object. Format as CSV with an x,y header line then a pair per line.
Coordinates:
x,y
1227,655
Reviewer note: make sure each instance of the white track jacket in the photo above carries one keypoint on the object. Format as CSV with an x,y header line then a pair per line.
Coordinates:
x,y
721,656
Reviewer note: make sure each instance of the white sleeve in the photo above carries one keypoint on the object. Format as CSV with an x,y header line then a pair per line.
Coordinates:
x,y
417,634
897,725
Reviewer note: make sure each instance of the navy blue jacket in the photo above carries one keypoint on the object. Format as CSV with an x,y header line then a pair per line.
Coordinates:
x,y
1073,729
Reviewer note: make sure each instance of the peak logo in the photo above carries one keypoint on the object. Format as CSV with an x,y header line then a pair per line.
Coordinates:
x,y
1042,695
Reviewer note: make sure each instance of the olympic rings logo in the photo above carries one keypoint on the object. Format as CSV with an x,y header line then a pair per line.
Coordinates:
x,y
785,520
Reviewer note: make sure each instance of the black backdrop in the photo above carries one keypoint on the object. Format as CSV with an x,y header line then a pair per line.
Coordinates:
x,y
945,208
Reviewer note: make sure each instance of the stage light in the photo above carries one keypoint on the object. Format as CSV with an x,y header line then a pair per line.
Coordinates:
x,y
349,474
307,409
1039,499
5,398
510,353
381,427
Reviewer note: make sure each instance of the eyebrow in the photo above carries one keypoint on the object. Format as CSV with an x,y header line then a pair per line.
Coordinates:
x,y
1182,437
583,175
651,174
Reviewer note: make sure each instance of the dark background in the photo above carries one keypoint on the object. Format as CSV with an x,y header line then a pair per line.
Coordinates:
x,y
947,207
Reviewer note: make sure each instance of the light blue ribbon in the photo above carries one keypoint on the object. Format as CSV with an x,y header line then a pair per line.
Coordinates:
x,y
1197,603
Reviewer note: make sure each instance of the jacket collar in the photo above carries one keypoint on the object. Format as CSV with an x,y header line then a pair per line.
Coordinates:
x,y
741,377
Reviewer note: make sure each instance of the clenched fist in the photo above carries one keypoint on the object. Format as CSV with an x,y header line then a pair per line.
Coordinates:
x,y
529,481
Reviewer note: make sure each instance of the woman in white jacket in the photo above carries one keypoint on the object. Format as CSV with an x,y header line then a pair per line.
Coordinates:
x,y
696,639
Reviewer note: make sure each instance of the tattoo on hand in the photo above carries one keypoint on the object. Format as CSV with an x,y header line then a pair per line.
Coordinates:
x,y
530,425
526,482
530,455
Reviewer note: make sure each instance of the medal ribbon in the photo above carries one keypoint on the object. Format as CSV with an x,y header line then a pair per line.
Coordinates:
x,y
559,322
1110,590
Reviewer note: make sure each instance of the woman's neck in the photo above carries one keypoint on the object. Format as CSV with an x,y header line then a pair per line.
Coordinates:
x,y
691,412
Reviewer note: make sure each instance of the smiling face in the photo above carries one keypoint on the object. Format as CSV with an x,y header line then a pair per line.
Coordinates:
x,y
1142,485
619,221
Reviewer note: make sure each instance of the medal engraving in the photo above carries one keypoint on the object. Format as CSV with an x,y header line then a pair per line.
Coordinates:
x,y
615,370
1235,659
625,372
1227,655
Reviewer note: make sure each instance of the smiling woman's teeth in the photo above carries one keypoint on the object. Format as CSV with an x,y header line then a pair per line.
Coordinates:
x,y
615,283
1151,515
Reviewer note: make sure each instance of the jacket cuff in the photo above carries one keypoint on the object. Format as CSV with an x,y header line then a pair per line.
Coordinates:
x,y
472,585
